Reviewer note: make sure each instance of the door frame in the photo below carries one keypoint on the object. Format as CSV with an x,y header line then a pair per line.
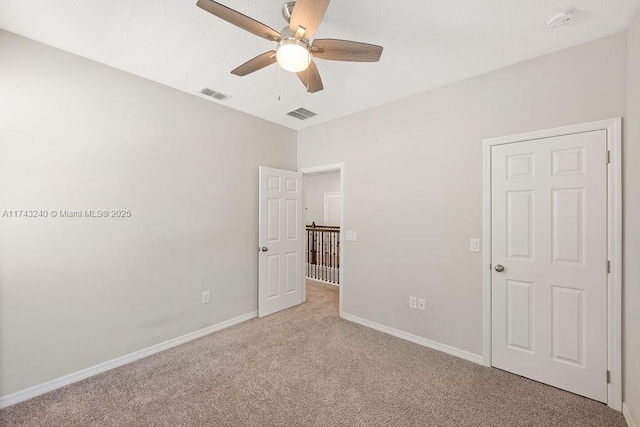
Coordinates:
x,y
335,167
614,241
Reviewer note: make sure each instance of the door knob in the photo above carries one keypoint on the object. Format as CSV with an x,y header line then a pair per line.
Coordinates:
x,y
264,249
499,268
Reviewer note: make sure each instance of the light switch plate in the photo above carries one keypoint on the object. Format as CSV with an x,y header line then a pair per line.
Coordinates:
x,y
351,235
422,304
474,244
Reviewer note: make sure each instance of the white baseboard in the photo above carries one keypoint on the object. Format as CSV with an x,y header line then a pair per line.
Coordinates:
x,y
627,416
22,395
476,358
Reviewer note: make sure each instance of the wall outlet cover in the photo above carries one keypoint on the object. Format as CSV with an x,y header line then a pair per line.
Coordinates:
x,y
474,244
422,304
205,297
351,235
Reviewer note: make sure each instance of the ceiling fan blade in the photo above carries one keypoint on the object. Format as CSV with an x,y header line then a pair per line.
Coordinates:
x,y
255,64
310,78
308,14
345,50
239,20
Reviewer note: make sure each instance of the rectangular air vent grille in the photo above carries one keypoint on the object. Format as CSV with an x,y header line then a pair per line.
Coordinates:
x,y
301,113
213,94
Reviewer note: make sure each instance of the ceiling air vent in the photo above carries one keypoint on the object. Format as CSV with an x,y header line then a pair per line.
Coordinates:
x,y
213,94
301,113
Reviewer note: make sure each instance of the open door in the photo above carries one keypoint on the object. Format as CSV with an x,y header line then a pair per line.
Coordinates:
x,y
280,279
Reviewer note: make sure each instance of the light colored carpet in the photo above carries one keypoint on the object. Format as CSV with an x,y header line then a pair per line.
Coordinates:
x,y
307,367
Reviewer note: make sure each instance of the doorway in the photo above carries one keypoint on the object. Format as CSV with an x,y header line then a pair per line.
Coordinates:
x,y
324,226
552,257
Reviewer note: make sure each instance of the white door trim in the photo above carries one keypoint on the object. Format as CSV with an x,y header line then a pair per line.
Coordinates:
x,y
614,232
335,167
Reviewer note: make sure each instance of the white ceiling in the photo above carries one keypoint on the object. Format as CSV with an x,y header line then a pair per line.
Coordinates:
x,y
427,44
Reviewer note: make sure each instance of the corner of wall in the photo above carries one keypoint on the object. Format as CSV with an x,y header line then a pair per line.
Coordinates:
x,y
631,249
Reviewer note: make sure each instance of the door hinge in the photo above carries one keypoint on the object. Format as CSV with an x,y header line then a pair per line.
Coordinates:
x,y
608,377
608,267
608,156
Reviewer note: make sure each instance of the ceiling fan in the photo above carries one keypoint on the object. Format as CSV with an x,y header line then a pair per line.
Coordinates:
x,y
294,51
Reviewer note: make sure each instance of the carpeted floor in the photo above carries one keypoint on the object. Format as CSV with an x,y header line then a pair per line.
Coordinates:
x,y
307,367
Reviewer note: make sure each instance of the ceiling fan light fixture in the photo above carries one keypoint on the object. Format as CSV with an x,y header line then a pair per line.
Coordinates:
x,y
294,52
293,55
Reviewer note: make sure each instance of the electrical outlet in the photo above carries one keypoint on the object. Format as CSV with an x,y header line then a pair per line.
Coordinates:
x,y
422,304
474,244
205,297
413,302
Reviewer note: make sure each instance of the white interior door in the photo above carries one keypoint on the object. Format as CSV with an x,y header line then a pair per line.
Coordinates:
x,y
280,279
549,232
332,208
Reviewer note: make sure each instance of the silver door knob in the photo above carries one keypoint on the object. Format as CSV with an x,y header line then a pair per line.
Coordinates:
x,y
499,268
264,249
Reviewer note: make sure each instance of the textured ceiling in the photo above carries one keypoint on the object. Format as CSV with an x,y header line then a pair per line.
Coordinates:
x,y
427,44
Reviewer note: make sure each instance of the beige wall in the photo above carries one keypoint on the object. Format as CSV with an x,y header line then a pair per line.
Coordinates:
x,y
75,134
413,181
631,274
314,188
